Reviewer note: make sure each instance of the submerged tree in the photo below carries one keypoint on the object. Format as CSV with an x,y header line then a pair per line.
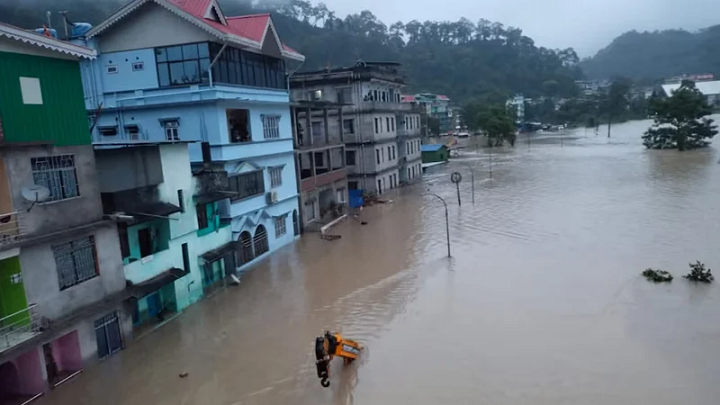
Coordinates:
x,y
680,120
498,125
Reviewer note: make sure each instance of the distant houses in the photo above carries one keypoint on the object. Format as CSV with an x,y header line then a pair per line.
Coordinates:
x,y
710,89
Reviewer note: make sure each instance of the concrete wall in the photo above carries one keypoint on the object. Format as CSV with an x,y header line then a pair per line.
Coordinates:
x,y
55,215
40,275
127,79
129,168
150,26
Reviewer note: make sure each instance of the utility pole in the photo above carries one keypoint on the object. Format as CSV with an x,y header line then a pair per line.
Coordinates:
x,y
456,178
472,181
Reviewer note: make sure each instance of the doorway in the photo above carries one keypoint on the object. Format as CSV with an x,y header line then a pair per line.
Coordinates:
x,y
109,338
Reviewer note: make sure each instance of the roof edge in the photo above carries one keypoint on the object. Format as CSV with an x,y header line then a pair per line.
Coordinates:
x,y
52,44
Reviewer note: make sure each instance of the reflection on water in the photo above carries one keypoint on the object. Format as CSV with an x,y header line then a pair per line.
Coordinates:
x,y
542,302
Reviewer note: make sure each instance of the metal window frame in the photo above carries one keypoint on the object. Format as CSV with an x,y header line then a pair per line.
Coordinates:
x,y
275,176
69,254
280,226
271,126
53,172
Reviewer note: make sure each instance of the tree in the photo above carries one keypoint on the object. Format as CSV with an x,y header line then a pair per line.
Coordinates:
x,y
498,125
680,120
434,125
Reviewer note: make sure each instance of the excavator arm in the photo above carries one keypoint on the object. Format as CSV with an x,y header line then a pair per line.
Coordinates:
x,y
329,346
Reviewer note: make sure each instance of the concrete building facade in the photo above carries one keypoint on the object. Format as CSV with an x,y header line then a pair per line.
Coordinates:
x,y
62,287
173,71
374,121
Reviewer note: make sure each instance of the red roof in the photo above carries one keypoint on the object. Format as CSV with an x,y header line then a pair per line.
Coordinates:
x,y
408,99
443,98
251,27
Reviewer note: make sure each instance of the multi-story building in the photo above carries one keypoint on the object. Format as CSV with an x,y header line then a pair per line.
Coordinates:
x,y
372,117
61,275
173,245
435,107
180,70
320,161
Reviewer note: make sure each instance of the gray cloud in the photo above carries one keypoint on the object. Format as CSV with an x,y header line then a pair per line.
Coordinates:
x,y
586,25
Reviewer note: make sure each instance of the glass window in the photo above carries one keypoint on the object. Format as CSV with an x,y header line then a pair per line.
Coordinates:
x,y
190,51
192,73
177,73
239,126
163,74
174,54
203,50
349,126
205,69
75,261
247,184
350,157
161,55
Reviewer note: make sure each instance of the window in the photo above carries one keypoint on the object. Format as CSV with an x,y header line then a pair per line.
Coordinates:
x,y
31,91
275,176
280,227
132,132
376,125
389,153
392,121
317,129
76,261
260,241
377,153
316,95
111,69
379,189
138,66
171,130
182,65
246,249
108,335
387,123
202,217
108,131
375,95
247,184
271,126
352,185
145,240
239,125
344,95
394,152
186,257
57,173
181,201
349,126
350,157
310,210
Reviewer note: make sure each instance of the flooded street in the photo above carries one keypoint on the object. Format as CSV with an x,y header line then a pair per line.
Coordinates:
x,y
541,303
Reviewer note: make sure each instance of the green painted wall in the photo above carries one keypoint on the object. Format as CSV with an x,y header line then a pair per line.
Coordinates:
x,y
161,241
212,219
61,118
441,155
12,295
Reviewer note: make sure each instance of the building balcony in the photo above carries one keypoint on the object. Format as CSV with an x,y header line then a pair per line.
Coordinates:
x,y
18,327
12,229
391,106
149,267
322,179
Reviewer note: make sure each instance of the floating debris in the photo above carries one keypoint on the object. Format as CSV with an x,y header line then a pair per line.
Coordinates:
x,y
657,276
698,272
183,375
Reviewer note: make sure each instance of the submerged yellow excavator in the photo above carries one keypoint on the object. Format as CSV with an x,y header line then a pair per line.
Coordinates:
x,y
330,345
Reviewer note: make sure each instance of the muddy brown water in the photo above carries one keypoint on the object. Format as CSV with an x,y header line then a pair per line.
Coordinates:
x,y
541,303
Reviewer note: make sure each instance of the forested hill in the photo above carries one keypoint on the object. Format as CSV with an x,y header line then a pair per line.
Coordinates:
x,y
462,59
644,56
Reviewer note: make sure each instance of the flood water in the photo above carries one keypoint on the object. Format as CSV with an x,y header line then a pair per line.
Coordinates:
x,y
541,303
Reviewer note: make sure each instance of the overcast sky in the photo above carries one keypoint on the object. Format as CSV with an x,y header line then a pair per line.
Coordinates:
x,y
586,25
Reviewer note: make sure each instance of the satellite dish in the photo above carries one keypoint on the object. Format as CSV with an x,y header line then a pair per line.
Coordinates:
x,y
35,194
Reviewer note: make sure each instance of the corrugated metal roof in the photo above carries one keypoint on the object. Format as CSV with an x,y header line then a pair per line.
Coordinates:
x,y
247,31
42,41
431,148
706,88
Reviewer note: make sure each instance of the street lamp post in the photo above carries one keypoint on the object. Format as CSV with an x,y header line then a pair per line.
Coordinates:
x,y
472,181
447,221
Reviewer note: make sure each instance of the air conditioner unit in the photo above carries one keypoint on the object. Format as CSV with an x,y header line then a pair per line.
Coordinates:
x,y
271,197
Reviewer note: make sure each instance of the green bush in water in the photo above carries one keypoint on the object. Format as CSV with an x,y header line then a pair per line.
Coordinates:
x,y
698,272
658,276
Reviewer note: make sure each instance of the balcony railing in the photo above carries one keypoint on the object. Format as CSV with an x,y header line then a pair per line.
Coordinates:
x,y
11,227
19,327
